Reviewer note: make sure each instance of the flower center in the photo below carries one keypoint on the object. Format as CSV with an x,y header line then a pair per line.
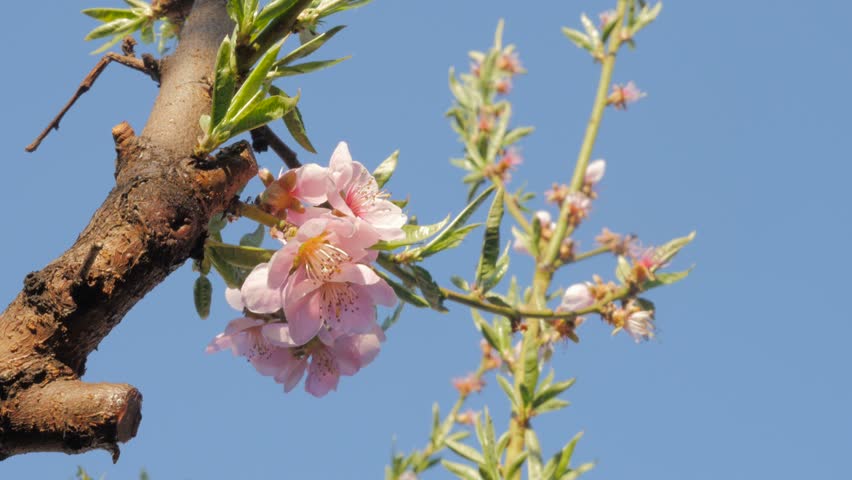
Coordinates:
x,y
337,299
321,259
364,194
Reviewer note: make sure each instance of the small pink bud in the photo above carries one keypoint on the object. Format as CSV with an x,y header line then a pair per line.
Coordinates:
x,y
595,171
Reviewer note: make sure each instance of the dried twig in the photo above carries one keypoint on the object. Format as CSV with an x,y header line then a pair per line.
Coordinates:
x,y
147,64
263,138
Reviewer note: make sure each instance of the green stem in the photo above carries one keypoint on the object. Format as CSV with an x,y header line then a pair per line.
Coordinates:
x,y
260,216
591,135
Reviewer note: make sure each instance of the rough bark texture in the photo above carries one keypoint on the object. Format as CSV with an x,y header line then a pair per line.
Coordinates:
x,y
152,221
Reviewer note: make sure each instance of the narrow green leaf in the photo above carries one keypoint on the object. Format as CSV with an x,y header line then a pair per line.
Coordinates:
x,y
515,134
405,294
310,47
578,38
202,294
254,239
534,467
232,275
509,391
461,471
666,278
385,170
465,451
552,405
562,459
296,127
495,139
306,67
456,225
491,241
663,254
235,11
109,14
446,242
272,11
551,392
252,84
115,27
515,466
488,333
225,80
500,269
430,289
529,355
240,256
392,318
263,112
413,234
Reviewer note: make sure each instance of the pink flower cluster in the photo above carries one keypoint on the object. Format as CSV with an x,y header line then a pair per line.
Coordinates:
x,y
320,280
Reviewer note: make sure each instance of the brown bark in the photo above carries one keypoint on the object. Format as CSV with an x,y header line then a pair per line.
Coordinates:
x,y
152,221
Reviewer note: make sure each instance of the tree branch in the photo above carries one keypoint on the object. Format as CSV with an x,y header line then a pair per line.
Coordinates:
x,y
152,221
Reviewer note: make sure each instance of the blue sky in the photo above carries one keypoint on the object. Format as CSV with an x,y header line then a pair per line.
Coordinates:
x,y
743,137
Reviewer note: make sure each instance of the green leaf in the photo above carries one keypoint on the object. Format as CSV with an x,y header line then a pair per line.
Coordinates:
x,y
202,294
444,240
515,134
534,467
550,392
578,38
385,170
235,11
232,275
254,239
460,470
413,234
459,282
465,451
404,293
488,333
109,14
500,269
509,391
491,242
393,318
296,127
529,355
310,47
118,26
252,84
515,466
240,256
623,270
666,278
485,433
225,80
274,10
306,67
558,465
495,139
262,112
552,405
431,291
665,253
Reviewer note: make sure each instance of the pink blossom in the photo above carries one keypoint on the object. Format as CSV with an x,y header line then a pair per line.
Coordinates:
x,y
509,62
576,297
622,95
293,187
644,256
246,337
595,171
579,204
352,191
321,245
640,325
341,304
503,86
346,356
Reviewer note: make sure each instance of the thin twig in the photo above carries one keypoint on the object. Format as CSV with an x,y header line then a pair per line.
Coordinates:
x,y
263,138
147,65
